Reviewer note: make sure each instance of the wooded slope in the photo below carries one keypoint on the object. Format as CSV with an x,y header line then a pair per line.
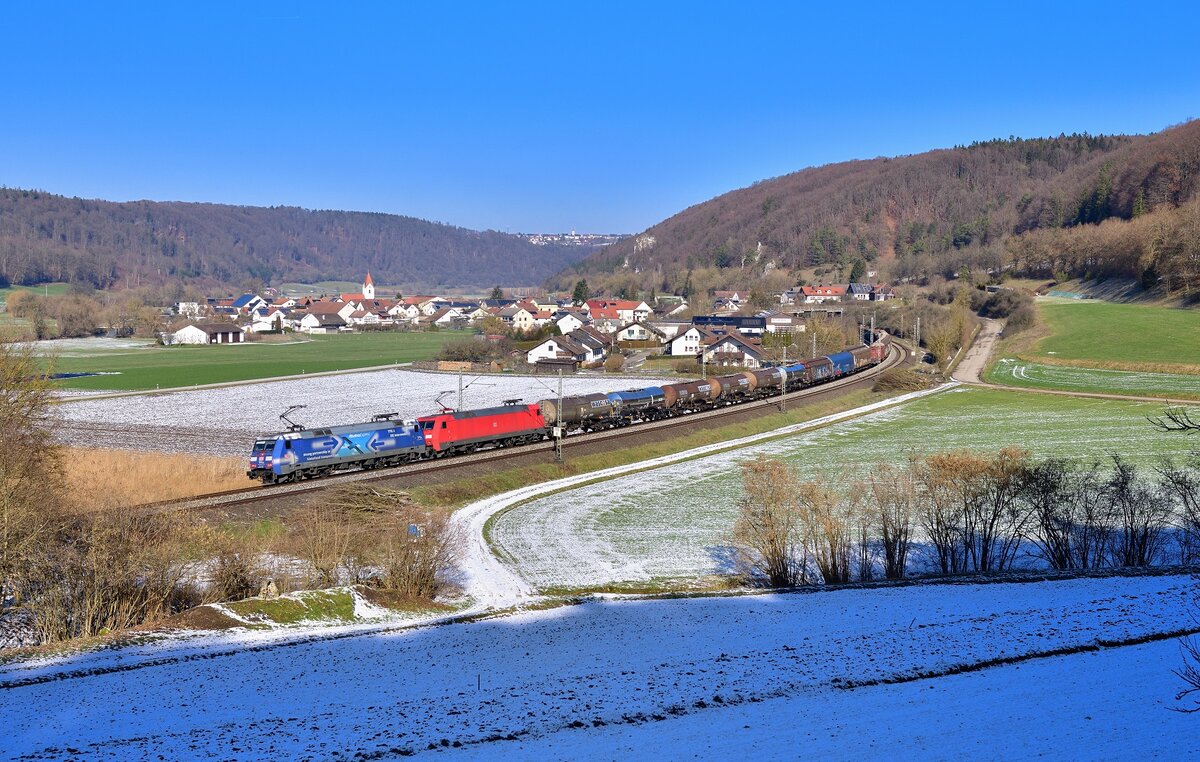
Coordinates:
x,y
917,215
45,237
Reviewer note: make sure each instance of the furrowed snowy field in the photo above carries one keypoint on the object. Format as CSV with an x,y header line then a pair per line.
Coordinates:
x,y
223,421
1141,384
664,678
674,521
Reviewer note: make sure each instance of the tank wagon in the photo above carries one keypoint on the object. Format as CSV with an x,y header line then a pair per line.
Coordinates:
x,y
386,441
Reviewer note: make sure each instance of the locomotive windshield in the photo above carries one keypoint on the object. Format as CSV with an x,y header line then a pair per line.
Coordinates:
x,y
263,445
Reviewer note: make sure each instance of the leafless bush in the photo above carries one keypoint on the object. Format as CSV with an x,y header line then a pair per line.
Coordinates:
x,y
765,533
1140,514
970,509
31,482
893,496
236,574
1189,672
1183,486
1069,524
117,571
324,531
827,518
900,380
395,543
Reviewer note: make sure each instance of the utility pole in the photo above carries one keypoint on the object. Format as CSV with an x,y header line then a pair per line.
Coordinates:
x,y
460,401
558,432
917,337
783,381
814,343
872,328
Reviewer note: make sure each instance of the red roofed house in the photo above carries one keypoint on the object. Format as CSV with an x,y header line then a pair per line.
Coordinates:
x,y
821,294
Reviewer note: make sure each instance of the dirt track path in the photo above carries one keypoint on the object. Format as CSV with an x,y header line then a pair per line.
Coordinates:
x,y
970,371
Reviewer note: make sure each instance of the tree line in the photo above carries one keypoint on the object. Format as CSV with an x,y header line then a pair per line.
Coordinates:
x,y
964,512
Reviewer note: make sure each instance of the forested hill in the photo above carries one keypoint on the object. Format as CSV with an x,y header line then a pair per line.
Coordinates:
x,y
44,237
1044,204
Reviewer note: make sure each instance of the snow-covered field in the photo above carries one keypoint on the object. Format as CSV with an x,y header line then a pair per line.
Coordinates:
x,y
1021,373
674,521
670,678
92,347
222,421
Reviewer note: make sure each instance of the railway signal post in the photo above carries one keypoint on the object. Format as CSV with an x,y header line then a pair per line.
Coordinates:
x,y
558,431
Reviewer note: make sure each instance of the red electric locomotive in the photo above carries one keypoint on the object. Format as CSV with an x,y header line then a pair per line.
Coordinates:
x,y
469,430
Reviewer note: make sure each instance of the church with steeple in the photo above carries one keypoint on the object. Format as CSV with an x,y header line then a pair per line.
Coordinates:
x,y
368,291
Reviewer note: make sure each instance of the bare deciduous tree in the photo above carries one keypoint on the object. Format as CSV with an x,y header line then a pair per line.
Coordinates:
x,y
1140,516
30,473
325,532
765,533
893,493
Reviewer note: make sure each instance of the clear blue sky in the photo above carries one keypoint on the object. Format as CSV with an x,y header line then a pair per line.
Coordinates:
x,y
600,116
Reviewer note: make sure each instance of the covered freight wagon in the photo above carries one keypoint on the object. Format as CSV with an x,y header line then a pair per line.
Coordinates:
x,y
843,363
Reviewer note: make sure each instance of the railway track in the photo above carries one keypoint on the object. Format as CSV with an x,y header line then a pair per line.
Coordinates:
x,y
287,492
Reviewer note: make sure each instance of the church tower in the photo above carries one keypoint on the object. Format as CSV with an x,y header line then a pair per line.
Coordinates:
x,y
368,291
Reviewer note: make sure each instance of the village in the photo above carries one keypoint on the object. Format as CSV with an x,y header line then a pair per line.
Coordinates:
x,y
568,333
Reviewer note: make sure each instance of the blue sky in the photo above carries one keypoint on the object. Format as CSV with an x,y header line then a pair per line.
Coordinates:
x,y
601,116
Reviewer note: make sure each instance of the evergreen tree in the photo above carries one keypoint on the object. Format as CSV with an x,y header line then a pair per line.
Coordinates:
x,y
580,294
857,271
497,292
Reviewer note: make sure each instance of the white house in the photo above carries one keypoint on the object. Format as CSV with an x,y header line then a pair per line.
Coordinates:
x,y
518,317
404,313
859,292
191,310
569,321
557,348
686,343
209,333
779,322
732,350
447,317
321,322
639,332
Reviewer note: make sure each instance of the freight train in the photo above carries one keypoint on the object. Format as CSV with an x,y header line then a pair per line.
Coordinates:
x,y
386,440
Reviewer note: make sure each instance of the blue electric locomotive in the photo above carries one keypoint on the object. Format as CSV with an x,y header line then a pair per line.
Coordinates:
x,y
306,453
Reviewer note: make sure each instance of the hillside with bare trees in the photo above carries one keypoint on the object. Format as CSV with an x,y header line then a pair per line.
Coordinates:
x,y
102,244
1071,206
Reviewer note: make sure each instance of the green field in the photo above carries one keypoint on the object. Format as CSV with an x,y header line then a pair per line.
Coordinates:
x,y
674,521
152,366
1094,346
1091,333
47,289
1032,375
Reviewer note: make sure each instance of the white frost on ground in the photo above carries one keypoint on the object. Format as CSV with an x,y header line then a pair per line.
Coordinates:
x,y
675,521
91,347
224,421
1021,373
649,678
